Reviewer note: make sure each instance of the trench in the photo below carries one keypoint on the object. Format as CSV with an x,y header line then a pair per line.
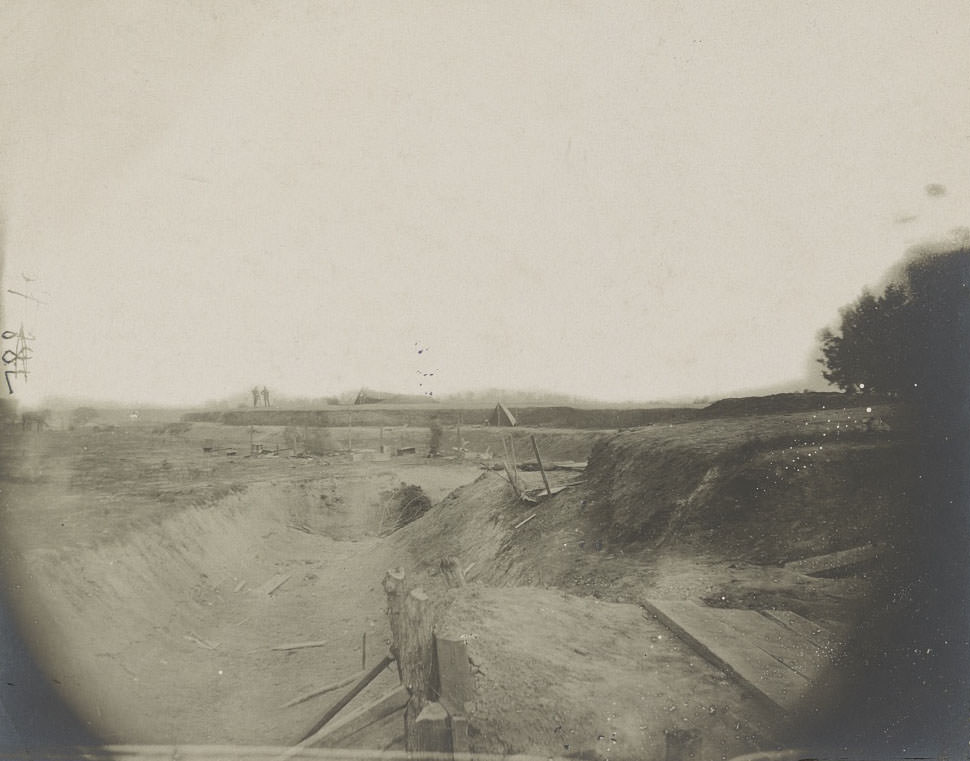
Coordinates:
x,y
167,634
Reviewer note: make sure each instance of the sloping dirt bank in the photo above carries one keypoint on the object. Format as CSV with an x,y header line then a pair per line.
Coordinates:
x,y
705,511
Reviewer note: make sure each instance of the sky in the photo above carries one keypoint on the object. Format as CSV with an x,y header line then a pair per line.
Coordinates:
x,y
617,200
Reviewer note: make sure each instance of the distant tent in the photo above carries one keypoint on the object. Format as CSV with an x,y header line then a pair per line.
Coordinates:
x,y
502,416
367,397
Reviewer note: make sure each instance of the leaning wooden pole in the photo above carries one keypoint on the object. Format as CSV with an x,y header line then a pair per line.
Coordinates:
x,y
542,470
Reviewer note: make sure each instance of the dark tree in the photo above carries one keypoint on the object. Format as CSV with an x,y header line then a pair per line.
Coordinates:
x,y
913,340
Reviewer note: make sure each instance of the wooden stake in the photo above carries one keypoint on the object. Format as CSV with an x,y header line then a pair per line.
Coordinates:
x,y
363,651
522,523
509,469
515,464
535,448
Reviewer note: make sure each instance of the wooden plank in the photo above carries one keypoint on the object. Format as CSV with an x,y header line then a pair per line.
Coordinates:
x,y
793,650
300,645
825,640
724,646
343,730
821,564
455,687
273,584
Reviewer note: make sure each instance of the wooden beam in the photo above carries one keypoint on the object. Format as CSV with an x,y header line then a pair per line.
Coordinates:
x,y
369,677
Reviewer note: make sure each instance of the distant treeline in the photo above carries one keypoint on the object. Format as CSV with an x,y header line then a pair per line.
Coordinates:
x,y
545,417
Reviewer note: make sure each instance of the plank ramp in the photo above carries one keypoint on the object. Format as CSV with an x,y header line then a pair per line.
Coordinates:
x,y
771,658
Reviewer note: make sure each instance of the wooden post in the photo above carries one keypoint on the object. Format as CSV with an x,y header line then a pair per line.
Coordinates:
x,y
515,465
535,448
458,432
510,467
431,732
412,644
350,432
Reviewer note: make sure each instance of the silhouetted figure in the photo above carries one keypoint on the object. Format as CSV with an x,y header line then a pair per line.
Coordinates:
x,y
265,397
255,396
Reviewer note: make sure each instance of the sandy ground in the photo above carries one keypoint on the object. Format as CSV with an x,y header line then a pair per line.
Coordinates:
x,y
142,571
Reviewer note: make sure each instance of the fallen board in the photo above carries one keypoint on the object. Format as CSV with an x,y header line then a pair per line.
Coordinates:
x,y
771,659
821,565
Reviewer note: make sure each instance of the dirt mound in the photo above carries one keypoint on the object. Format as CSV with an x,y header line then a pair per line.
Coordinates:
x,y
776,403
404,505
822,481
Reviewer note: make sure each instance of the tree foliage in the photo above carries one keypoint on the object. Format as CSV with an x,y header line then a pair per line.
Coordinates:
x,y
913,339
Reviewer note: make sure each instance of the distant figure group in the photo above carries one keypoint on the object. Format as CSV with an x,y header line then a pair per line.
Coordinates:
x,y
256,394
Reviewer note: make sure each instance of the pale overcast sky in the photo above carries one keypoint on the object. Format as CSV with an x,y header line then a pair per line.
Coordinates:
x,y
620,200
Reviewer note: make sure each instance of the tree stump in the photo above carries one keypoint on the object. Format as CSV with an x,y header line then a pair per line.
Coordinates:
x,y
412,645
